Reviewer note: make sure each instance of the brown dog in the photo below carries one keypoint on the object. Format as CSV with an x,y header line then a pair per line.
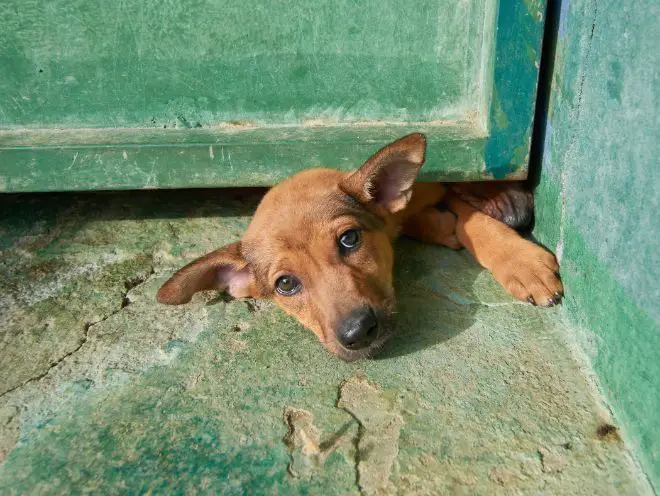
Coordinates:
x,y
320,245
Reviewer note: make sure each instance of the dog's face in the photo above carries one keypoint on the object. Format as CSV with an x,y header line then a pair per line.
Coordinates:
x,y
325,259
320,245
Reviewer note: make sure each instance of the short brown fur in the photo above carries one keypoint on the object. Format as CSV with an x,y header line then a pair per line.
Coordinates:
x,y
297,224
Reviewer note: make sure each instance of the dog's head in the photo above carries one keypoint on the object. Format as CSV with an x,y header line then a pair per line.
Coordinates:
x,y
320,245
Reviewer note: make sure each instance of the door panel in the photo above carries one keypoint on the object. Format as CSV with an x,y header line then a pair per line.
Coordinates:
x,y
146,94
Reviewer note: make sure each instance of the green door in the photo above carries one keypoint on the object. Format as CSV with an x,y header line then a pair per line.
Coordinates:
x,y
116,94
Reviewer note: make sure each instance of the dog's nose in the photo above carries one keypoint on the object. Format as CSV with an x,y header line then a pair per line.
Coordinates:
x,y
359,329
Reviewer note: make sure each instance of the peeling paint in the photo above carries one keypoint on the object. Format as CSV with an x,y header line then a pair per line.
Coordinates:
x,y
303,441
380,425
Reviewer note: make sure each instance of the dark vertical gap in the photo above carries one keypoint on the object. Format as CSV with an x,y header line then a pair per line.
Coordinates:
x,y
546,70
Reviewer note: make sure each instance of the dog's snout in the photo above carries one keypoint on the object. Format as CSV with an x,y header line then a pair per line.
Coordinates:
x,y
359,329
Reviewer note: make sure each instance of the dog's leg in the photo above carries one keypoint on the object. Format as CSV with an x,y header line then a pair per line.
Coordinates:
x,y
507,201
523,268
433,226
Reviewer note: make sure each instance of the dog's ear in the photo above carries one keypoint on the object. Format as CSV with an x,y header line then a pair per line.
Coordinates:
x,y
387,177
223,269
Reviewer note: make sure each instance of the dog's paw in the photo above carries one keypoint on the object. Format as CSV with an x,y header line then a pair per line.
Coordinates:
x,y
530,273
445,234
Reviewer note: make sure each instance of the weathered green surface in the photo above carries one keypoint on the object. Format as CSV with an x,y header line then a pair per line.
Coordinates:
x,y
597,202
103,390
515,71
258,157
262,81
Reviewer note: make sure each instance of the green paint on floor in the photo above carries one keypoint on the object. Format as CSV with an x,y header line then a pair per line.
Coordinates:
x,y
103,390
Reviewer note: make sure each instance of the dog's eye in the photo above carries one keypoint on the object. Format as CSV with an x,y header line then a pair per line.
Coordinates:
x,y
349,240
287,285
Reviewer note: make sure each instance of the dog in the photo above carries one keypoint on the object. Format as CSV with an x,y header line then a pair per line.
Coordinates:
x,y
321,245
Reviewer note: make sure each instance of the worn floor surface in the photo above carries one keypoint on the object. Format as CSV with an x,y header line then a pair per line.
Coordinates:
x,y
104,390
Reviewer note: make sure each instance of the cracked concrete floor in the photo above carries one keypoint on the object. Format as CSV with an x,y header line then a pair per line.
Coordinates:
x,y
103,390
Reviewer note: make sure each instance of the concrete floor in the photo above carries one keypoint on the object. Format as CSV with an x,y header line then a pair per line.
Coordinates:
x,y
104,390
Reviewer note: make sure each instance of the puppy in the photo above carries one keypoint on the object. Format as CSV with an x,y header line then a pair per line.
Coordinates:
x,y
320,245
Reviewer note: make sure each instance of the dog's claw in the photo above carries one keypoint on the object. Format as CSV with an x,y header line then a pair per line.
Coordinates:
x,y
558,296
531,300
550,303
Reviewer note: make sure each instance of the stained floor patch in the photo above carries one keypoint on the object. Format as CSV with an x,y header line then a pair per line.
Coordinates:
x,y
380,426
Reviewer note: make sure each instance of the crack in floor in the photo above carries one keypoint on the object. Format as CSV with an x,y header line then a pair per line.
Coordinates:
x,y
60,360
375,443
303,439
129,285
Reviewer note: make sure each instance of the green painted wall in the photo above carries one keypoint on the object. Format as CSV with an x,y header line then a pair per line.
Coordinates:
x,y
204,93
597,201
145,63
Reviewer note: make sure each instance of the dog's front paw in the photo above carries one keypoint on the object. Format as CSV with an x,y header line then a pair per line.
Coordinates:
x,y
530,273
